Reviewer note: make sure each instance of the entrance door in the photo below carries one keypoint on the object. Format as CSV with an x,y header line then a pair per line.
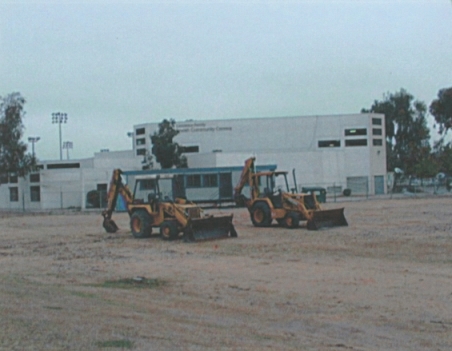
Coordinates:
x,y
379,184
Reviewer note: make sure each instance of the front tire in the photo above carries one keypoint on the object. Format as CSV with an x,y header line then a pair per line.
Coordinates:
x,y
141,225
292,220
169,230
261,215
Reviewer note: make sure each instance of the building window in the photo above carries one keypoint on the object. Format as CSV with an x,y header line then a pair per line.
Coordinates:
x,y
34,178
356,142
14,194
329,143
35,193
13,178
141,141
377,142
355,131
190,149
193,181
3,178
141,152
209,180
376,131
376,121
63,165
139,131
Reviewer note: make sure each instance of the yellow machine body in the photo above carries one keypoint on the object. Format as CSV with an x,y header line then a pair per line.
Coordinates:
x,y
171,217
287,208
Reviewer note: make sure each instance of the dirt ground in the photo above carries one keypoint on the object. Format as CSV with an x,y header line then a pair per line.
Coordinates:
x,y
382,283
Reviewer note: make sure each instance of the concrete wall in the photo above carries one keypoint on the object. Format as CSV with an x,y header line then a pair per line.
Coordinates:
x,y
118,159
261,134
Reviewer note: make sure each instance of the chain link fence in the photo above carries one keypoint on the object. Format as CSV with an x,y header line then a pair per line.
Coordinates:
x,y
411,186
46,198
360,187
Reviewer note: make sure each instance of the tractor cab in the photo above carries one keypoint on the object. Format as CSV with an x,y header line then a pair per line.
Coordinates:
x,y
271,185
153,188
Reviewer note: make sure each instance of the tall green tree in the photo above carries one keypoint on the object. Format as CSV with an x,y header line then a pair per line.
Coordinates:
x,y
428,167
441,110
167,152
13,152
445,159
407,134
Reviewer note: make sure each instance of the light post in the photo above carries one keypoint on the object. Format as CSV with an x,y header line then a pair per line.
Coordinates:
x,y
67,145
33,140
59,118
130,135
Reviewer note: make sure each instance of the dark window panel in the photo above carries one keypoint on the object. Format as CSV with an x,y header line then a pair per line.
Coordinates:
x,y
329,143
356,142
355,131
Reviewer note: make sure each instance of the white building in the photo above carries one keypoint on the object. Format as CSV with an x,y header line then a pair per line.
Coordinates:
x,y
64,184
335,152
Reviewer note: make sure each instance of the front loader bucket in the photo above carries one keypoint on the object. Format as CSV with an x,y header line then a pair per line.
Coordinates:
x,y
327,218
110,225
209,228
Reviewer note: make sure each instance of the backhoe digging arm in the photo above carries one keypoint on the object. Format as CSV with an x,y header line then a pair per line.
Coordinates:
x,y
116,187
246,177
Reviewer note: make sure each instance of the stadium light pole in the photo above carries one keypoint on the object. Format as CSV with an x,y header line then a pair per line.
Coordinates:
x,y
59,118
33,140
68,145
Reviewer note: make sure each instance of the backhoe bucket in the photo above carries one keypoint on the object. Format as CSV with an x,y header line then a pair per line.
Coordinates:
x,y
326,219
110,225
209,228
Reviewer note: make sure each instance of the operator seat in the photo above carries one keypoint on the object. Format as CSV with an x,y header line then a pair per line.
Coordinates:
x,y
152,200
276,199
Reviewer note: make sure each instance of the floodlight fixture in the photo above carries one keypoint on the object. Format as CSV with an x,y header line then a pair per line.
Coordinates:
x,y
59,118
130,135
68,145
33,140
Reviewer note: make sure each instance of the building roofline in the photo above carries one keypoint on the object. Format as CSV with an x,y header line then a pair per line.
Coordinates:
x,y
265,117
196,170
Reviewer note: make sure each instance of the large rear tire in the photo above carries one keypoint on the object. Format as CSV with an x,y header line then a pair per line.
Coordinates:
x,y
261,214
141,225
169,230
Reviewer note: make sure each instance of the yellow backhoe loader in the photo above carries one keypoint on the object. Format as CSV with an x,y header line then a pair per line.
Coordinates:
x,y
288,208
151,206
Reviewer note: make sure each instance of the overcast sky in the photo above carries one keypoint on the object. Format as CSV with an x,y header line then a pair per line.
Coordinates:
x,y
111,65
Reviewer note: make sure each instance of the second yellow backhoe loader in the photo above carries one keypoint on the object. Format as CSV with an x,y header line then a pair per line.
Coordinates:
x,y
151,206
288,208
